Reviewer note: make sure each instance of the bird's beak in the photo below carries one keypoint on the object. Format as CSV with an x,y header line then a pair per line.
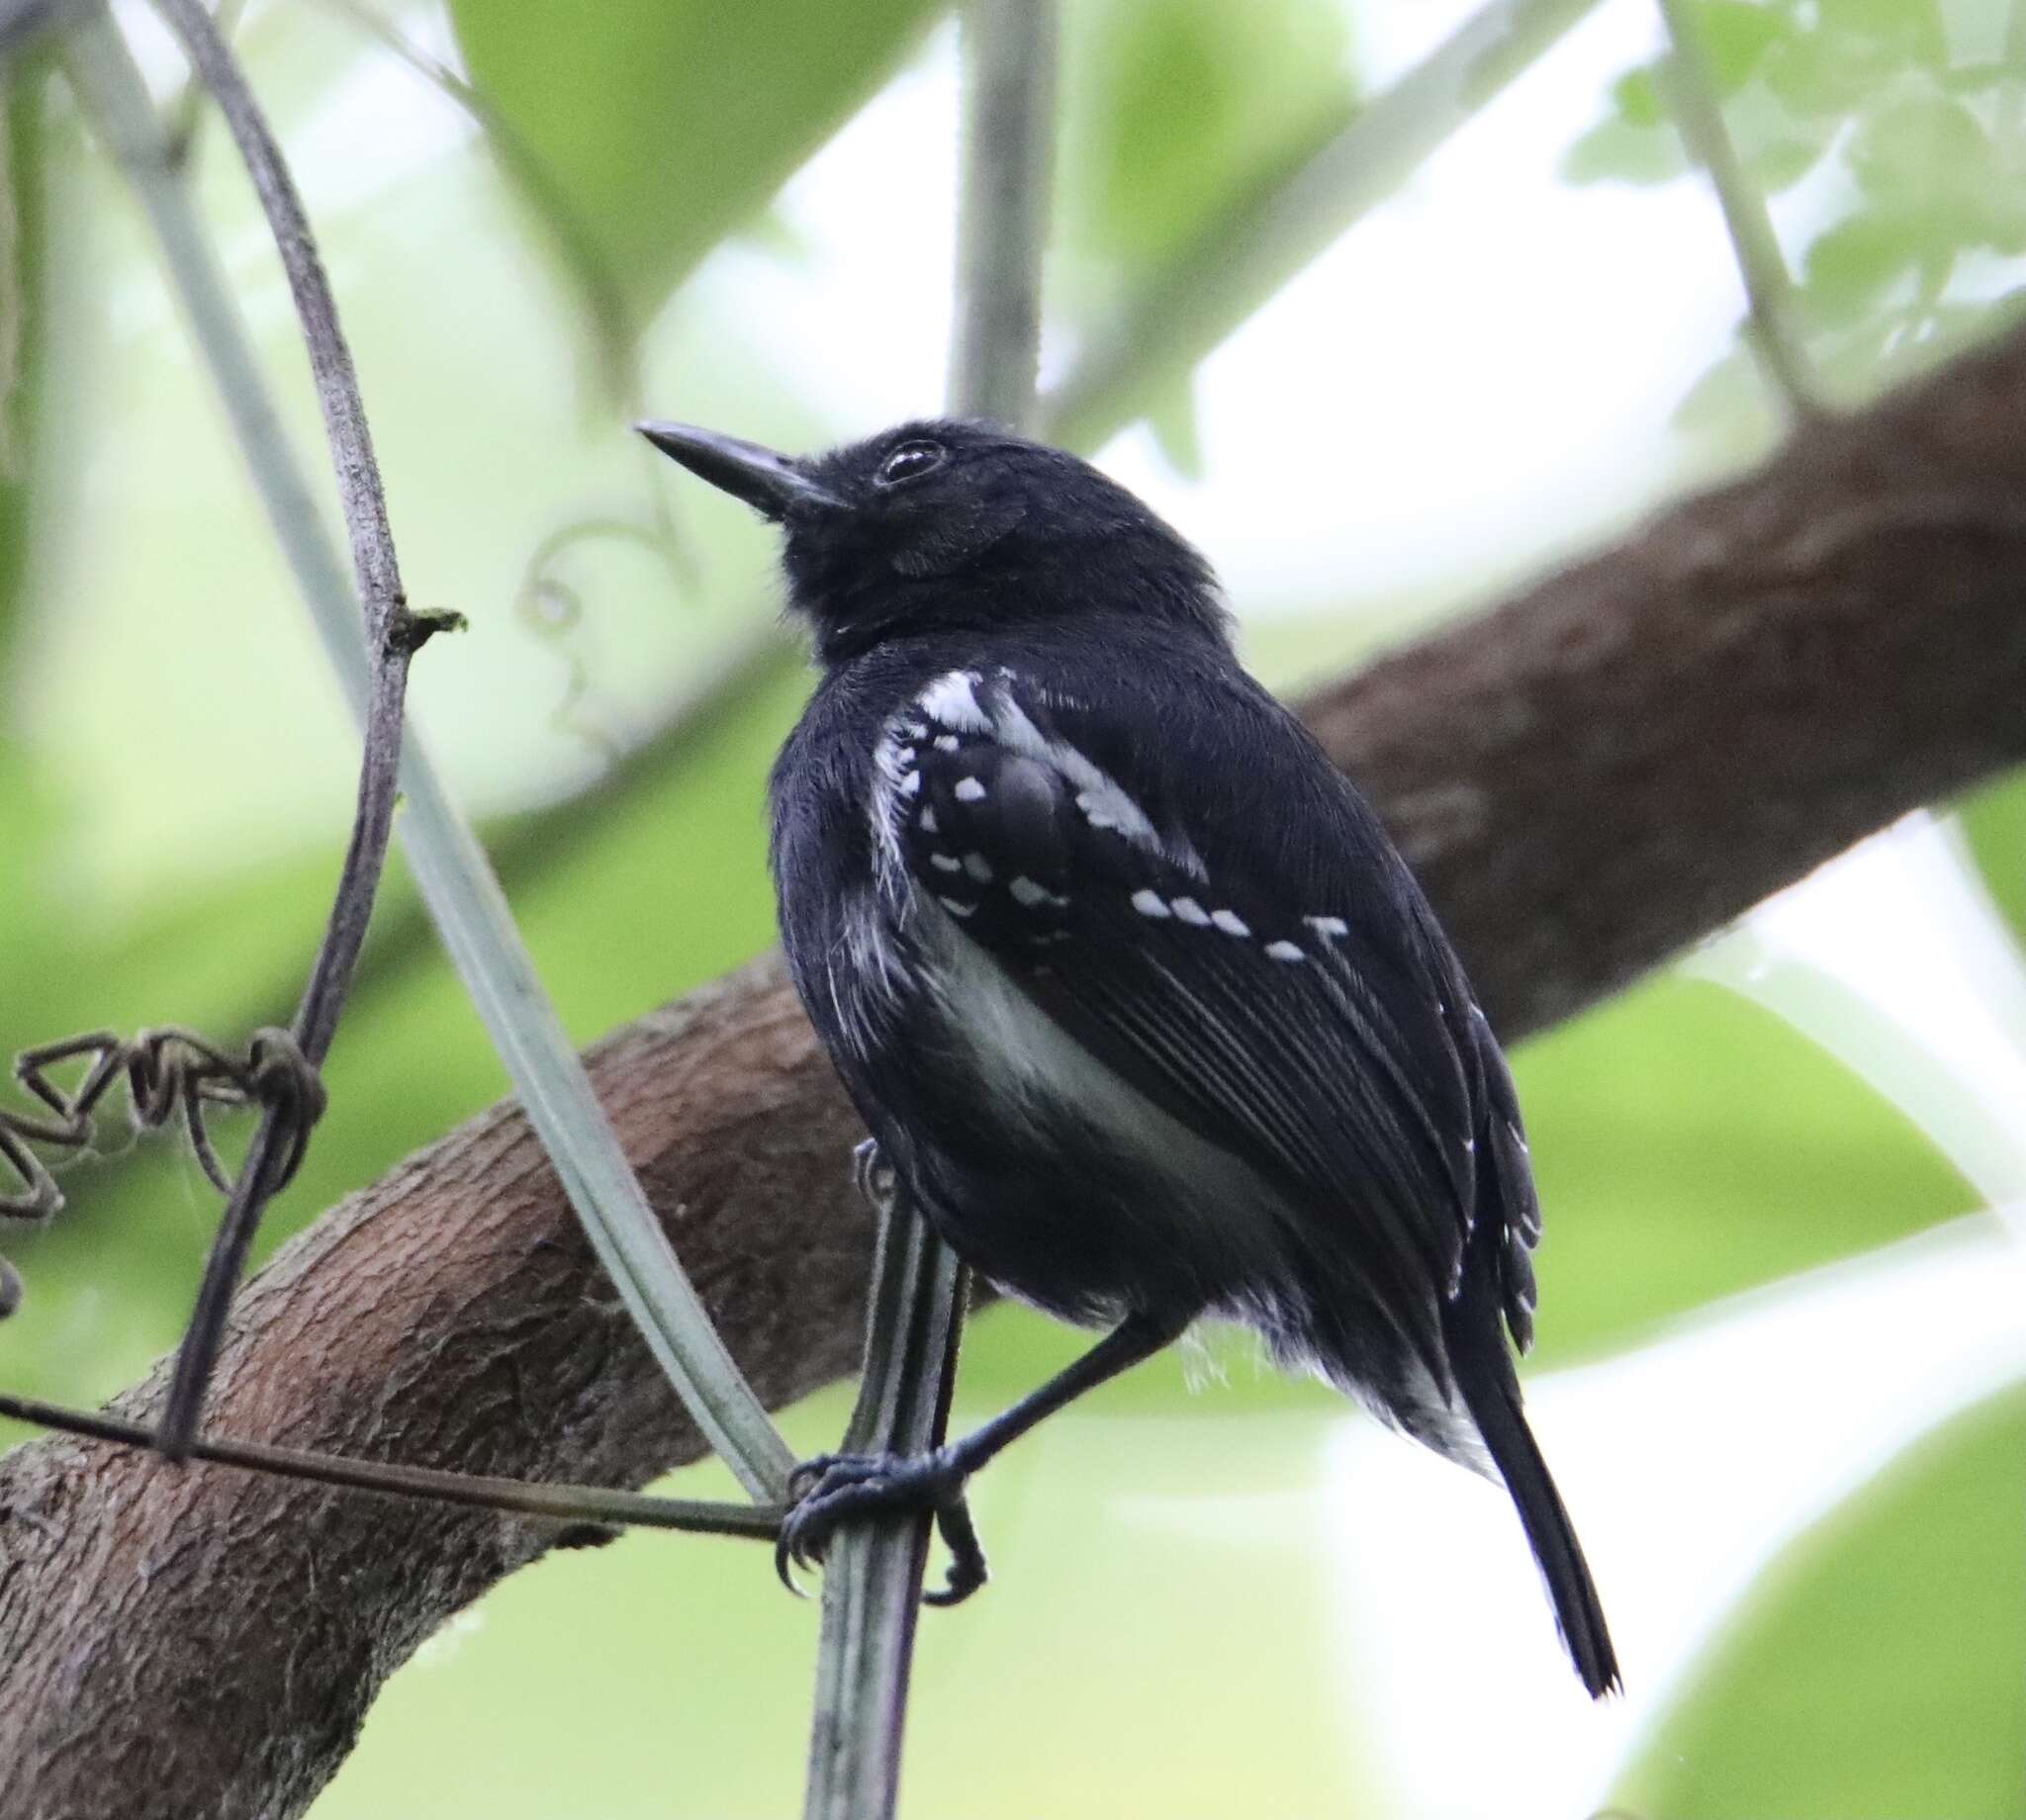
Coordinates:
x,y
768,482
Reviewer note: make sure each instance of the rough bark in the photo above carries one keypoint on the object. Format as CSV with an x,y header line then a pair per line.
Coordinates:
x,y
1612,764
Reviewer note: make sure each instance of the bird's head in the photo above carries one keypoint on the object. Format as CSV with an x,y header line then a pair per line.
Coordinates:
x,y
942,525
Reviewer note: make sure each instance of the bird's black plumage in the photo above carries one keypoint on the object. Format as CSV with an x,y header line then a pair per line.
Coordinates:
x,y
1122,975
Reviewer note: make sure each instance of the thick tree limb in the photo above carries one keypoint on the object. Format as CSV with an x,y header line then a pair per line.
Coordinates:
x,y
1611,764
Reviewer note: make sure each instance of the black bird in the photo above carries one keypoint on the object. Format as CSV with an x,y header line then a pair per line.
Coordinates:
x,y
1122,975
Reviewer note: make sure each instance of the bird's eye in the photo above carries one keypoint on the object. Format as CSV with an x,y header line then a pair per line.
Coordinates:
x,y
911,460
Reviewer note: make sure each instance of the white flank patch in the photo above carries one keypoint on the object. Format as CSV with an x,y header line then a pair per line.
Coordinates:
x,y
1030,1067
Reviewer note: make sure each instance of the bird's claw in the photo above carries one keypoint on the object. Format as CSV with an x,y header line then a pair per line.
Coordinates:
x,y
872,1178
833,1489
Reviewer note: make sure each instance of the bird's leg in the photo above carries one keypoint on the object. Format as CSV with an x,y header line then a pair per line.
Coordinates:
x,y
836,1488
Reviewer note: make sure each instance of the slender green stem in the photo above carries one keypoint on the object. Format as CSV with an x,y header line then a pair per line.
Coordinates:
x,y
914,1324
562,1504
464,897
1271,232
1009,66
1689,86
872,1577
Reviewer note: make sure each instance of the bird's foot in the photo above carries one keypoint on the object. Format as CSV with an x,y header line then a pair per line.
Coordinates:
x,y
835,1488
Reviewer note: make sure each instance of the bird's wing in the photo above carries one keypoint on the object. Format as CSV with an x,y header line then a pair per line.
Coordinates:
x,y
1289,1009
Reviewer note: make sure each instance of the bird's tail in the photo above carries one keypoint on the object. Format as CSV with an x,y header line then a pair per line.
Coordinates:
x,y
1492,1394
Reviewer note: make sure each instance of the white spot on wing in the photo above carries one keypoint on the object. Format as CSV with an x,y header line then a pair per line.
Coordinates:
x,y
1284,950
955,907
1192,913
947,742
1328,925
970,789
979,867
946,863
1151,903
1103,800
952,701
1231,922
1027,893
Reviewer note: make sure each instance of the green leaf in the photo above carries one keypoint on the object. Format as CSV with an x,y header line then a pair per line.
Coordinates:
x,y
1916,143
665,125
1618,150
1636,97
1175,109
1905,31
1993,821
1881,1669
1849,269
1852,48
1736,35
1782,160
1689,1144
1730,411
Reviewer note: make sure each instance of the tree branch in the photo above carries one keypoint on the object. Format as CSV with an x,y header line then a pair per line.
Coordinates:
x,y
1615,762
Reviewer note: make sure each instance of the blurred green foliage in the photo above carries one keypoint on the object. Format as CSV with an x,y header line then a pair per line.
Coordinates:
x,y
1691,1146
1179,107
170,847
1994,823
667,127
1915,1707
1912,114
1175,114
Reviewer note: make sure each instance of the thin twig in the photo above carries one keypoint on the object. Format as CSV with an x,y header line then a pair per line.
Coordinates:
x,y
451,873
872,1575
1269,233
184,117
105,77
1689,86
562,1504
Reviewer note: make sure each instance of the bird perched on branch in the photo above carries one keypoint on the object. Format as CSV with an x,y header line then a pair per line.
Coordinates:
x,y
1128,983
